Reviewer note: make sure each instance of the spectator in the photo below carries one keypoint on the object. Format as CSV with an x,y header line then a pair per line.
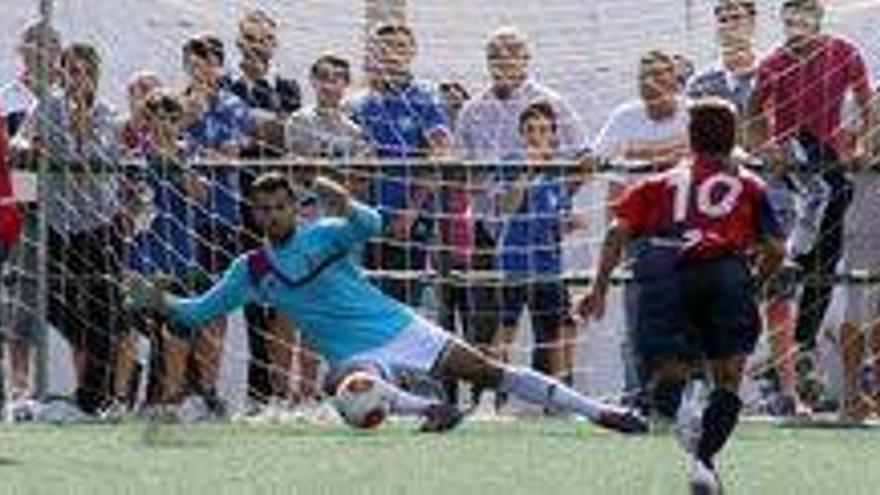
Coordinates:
x,y
135,129
17,104
488,131
18,98
403,121
85,222
10,217
653,130
165,245
134,140
218,125
323,130
800,89
488,127
535,207
271,99
861,322
10,226
455,249
732,79
270,94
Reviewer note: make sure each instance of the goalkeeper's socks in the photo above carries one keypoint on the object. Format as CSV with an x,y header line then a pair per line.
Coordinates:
x,y
403,402
531,386
719,420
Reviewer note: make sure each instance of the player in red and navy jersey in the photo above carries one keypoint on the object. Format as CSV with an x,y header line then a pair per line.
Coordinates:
x,y
710,241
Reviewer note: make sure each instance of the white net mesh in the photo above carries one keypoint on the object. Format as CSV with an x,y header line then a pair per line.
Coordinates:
x,y
586,51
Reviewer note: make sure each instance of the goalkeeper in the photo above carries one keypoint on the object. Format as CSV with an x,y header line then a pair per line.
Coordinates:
x,y
311,276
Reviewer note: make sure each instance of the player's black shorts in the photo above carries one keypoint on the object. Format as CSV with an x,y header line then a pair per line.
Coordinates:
x,y
700,309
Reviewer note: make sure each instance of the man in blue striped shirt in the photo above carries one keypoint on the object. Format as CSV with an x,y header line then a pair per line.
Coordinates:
x,y
311,276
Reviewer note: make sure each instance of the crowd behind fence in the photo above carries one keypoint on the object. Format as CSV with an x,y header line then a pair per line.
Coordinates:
x,y
481,197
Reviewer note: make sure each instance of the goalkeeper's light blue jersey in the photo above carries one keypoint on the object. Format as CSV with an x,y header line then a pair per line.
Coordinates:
x,y
314,281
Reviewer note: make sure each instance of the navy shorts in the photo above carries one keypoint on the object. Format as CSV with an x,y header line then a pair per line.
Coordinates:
x,y
701,309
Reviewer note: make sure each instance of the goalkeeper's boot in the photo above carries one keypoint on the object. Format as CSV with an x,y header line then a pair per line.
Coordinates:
x,y
622,421
441,417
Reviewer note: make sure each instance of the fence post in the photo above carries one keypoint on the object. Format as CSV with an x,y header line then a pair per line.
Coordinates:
x,y
42,90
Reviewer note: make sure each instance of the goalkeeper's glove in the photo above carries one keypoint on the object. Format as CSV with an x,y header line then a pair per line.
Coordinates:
x,y
143,294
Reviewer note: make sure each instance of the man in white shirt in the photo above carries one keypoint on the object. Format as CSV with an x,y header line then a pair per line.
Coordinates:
x,y
649,130
488,125
653,128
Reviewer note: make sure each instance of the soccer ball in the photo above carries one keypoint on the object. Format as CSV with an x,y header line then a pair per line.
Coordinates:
x,y
360,401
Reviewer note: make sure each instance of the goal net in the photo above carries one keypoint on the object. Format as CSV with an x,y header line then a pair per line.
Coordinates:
x,y
469,240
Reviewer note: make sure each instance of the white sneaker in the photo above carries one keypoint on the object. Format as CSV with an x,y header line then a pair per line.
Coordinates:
x,y
703,479
689,417
20,410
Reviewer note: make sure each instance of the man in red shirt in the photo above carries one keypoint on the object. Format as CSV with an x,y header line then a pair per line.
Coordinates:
x,y
797,103
700,225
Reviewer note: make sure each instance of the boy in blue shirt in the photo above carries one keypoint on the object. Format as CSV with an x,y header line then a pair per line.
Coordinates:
x,y
535,207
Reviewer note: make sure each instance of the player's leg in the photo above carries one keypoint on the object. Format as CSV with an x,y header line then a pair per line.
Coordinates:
x,y
206,355
463,361
722,410
548,306
127,369
724,314
218,245
856,404
513,301
103,319
874,325
307,362
482,321
780,334
259,386
451,301
855,333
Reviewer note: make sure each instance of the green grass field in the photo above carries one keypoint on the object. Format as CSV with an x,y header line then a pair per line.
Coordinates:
x,y
524,457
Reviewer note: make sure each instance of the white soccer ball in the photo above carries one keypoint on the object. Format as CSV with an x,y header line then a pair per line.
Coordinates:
x,y
360,401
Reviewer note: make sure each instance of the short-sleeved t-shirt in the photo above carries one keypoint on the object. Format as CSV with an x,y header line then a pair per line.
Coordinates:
x,y
715,211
